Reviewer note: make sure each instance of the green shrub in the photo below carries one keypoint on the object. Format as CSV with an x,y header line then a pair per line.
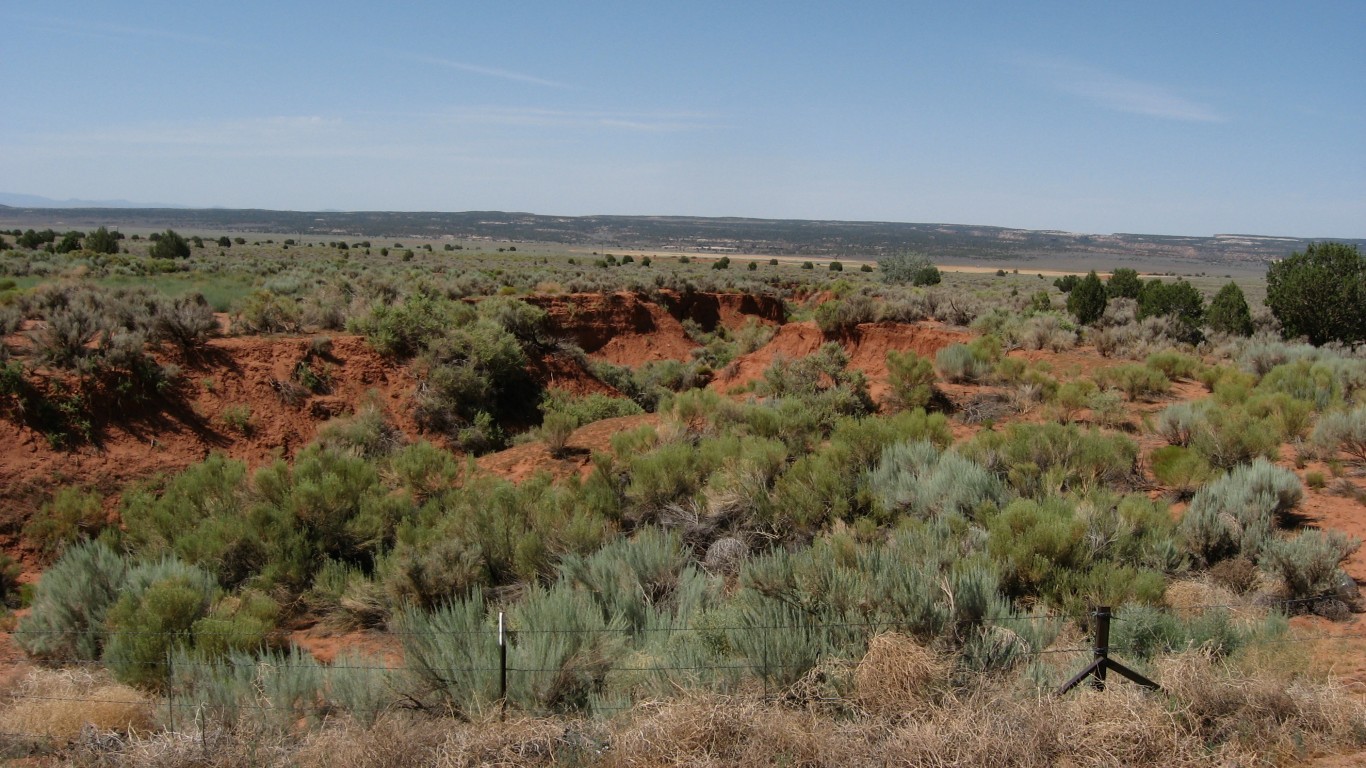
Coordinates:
x,y
1229,313
1073,397
1174,365
476,369
1229,436
842,315
154,614
404,329
266,312
529,324
237,417
1181,469
586,409
1137,382
1107,409
556,430
423,470
1318,382
72,515
1290,416
911,379
200,517
909,267
1086,301
242,623
1035,544
1040,460
368,433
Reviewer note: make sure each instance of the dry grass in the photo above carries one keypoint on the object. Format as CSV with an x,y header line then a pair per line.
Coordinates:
x,y
1189,597
902,711
899,676
60,704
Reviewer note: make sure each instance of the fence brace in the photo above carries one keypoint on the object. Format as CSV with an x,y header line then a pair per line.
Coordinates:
x,y
1102,662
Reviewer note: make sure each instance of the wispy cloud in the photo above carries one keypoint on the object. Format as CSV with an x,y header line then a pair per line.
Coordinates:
x,y
645,122
476,69
471,132
1120,93
109,31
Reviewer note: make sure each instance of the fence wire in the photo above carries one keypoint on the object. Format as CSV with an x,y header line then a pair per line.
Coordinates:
x,y
176,700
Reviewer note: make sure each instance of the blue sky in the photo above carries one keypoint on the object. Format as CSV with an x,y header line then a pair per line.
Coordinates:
x,y
1173,118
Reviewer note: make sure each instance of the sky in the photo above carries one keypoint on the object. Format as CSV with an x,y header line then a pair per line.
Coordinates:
x,y
1183,118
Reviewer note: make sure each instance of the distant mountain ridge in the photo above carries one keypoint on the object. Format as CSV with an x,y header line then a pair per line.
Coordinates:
x,y
13,200
729,235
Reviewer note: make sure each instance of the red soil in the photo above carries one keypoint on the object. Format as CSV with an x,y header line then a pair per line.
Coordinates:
x,y
138,442
867,346
629,329
521,462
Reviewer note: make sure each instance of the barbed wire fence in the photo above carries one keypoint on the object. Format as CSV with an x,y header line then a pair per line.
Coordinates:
x,y
183,706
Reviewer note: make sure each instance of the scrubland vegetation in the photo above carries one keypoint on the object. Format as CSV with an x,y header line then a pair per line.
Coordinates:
x,y
786,572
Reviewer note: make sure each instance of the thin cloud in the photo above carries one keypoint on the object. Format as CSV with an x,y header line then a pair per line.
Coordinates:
x,y
516,77
115,31
245,132
647,122
1121,94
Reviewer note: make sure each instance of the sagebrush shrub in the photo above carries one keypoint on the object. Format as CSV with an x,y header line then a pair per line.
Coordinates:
x,y
914,478
186,321
66,621
1342,431
959,364
1308,563
1236,514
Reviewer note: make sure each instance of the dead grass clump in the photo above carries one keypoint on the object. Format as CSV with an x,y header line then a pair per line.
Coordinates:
x,y
182,749
899,676
392,740
1190,597
1119,726
58,704
521,741
702,730
1261,710
1238,574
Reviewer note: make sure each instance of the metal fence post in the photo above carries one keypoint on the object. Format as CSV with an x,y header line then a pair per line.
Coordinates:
x,y
1101,661
1101,652
502,666
170,686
